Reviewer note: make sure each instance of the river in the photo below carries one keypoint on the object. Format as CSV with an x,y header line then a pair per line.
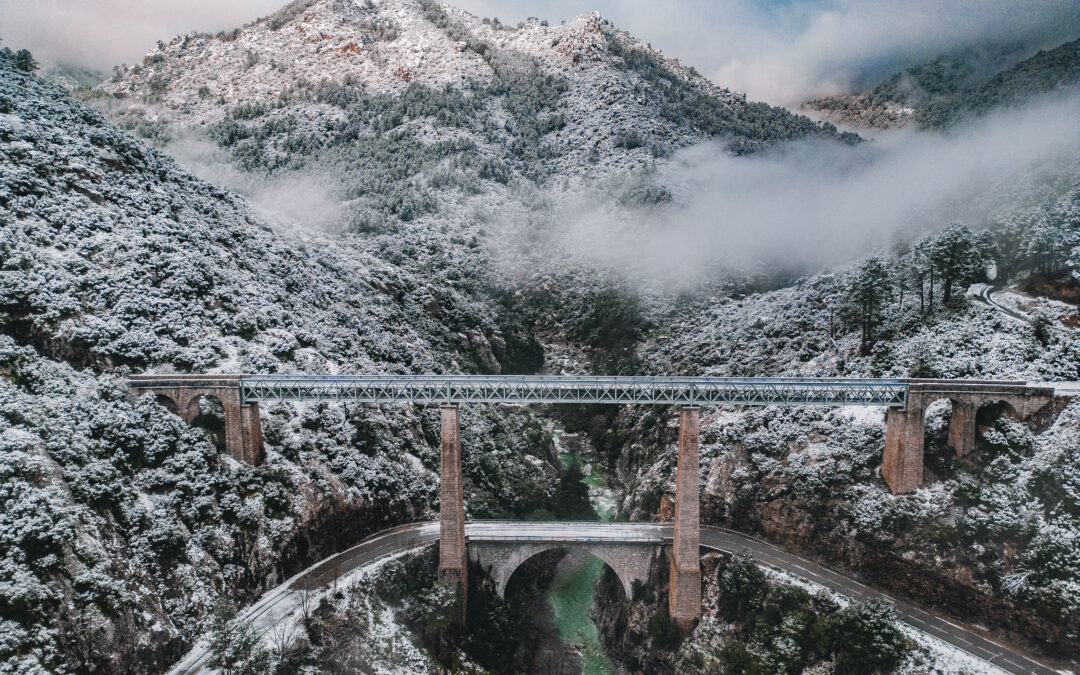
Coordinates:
x,y
573,590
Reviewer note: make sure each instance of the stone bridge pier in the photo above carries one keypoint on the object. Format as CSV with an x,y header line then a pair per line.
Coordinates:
x,y
684,598
902,465
182,393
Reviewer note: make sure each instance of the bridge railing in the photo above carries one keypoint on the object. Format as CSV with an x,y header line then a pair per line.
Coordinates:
x,y
575,389
583,531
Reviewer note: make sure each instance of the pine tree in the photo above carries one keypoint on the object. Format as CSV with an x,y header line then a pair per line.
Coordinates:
x,y
441,613
235,647
572,496
956,256
869,289
24,61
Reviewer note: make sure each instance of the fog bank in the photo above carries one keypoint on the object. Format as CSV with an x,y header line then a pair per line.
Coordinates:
x,y
811,204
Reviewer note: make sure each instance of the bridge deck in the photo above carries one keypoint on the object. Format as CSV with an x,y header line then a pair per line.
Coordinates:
x,y
576,531
574,389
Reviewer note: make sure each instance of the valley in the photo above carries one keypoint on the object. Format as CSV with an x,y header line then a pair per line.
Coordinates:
x,y
398,188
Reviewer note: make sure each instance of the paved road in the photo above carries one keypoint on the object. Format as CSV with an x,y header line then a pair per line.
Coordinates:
x,y
276,605
963,638
985,292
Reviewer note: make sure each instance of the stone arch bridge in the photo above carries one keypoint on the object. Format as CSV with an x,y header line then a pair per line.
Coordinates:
x,y
906,401
628,549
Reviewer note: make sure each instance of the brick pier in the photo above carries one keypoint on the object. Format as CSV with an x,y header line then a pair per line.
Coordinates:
x,y
452,562
684,599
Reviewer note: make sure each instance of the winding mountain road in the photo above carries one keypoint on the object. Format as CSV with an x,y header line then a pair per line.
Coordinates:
x,y
277,605
985,292
961,637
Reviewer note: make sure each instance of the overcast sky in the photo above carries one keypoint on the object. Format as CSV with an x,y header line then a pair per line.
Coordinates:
x,y
778,51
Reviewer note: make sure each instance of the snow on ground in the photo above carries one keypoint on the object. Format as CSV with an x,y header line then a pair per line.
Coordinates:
x,y
863,414
276,618
387,637
931,654
1026,304
941,658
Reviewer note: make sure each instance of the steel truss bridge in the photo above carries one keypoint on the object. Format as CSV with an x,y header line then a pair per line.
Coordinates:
x,y
452,389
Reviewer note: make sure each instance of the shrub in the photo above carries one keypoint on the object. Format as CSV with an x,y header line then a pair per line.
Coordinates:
x,y
234,645
440,612
494,630
1041,327
645,195
740,660
864,638
612,328
571,500
663,631
742,587
629,139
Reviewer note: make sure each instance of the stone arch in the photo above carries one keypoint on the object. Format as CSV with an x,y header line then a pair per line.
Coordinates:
x,y
961,431
532,551
629,562
169,403
991,410
935,409
207,411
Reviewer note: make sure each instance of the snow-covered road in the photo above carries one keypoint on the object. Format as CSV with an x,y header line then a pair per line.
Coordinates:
x,y
279,604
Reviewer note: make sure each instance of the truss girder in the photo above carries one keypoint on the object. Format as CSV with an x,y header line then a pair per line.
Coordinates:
x,y
575,389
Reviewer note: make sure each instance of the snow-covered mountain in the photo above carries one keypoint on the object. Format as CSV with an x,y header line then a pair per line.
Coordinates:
x,y
121,527
423,154
596,80
948,89
411,111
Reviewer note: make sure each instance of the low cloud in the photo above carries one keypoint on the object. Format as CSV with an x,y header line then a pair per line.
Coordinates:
x,y
785,52
815,204
100,34
290,200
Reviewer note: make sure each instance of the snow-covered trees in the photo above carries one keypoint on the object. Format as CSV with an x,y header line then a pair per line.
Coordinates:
x,y
22,59
120,525
869,289
234,646
957,256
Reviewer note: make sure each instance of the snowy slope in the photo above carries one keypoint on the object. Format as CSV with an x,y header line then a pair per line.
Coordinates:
x,y
120,526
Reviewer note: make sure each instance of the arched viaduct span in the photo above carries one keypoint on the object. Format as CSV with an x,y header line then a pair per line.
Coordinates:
x,y
902,463
627,548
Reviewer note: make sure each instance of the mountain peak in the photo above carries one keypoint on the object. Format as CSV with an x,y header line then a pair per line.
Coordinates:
x,y
581,99
381,47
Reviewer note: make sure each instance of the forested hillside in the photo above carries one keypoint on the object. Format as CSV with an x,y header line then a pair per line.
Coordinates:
x,y
384,188
419,112
950,89
122,527
987,539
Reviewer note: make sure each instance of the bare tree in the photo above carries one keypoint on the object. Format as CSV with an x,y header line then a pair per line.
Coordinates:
x,y
282,637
